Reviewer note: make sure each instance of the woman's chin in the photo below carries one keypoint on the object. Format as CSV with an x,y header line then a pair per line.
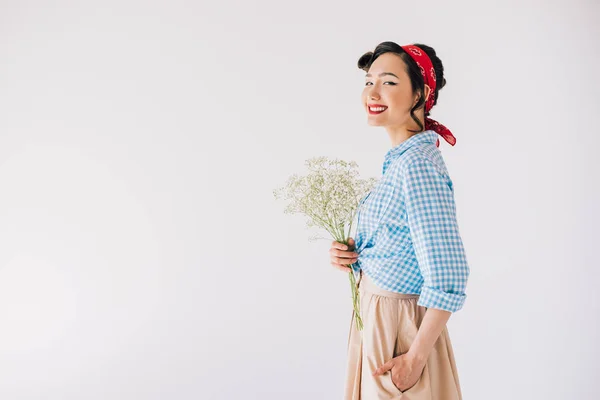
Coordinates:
x,y
375,122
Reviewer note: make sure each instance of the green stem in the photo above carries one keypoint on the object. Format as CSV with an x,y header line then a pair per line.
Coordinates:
x,y
355,294
355,301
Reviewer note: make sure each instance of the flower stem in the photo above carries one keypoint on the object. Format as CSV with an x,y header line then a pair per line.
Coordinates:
x,y
355,300
354,289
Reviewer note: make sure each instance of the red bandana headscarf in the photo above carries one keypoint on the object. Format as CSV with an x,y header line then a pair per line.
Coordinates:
x,y
426,67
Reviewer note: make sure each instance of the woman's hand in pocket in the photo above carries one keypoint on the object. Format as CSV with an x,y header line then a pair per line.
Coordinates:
x,y
342,255
405,369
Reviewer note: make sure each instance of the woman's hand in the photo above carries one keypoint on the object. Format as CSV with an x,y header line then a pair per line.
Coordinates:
x,y
342,255
406,370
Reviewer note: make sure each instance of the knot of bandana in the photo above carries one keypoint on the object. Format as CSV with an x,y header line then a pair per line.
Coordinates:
x,y
426,66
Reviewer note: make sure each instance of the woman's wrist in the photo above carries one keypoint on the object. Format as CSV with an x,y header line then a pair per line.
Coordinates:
x,y
418,354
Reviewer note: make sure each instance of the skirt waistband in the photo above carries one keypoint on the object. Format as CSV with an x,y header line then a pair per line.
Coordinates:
x,y
366,284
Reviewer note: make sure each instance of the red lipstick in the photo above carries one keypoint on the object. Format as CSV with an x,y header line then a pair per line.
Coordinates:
x,y
372,112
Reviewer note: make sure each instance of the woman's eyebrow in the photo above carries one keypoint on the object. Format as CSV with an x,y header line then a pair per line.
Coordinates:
x,y
382,74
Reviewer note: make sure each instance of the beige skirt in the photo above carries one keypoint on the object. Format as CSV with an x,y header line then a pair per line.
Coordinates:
x,y
390,323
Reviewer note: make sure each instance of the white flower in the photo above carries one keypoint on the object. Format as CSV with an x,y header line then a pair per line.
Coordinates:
x,y
328,195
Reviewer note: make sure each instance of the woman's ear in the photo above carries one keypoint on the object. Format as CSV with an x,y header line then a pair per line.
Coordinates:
x,y
427,92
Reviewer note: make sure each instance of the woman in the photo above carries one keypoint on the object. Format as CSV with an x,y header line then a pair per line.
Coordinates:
x,y
408,250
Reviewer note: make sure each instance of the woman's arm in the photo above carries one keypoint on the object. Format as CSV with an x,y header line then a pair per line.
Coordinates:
x,y
431,327
431,218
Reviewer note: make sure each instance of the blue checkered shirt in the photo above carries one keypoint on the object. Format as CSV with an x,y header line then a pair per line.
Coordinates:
x,y
407,236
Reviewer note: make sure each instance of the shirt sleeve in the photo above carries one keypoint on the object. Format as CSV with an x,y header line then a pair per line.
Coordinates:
x,y
431,216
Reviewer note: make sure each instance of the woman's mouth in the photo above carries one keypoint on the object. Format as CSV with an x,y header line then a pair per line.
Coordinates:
x,y
375,109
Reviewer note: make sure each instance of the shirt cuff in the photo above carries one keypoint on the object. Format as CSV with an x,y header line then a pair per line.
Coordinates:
x,y
436,298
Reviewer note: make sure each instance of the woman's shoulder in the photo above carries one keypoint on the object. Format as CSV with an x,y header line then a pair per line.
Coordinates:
x,y
416,157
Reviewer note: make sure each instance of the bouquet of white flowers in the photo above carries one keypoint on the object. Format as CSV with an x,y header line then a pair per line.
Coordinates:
x,y
329,197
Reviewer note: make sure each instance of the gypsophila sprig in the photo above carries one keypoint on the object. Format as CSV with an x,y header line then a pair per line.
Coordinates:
x,y
328,196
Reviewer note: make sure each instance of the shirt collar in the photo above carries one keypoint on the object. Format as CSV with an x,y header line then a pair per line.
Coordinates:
x,y
428,136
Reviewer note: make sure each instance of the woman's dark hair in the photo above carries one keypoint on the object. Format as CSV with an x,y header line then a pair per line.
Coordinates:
x,y
414,73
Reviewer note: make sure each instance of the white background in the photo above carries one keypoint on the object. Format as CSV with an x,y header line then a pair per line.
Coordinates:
x,y
143,256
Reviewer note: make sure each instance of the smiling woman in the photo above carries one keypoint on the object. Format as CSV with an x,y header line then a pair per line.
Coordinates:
x,y
402,86
411,261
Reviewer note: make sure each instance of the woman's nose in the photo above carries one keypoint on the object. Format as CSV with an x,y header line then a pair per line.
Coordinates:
x,y
373,94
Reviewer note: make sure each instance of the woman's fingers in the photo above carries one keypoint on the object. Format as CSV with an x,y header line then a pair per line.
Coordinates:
x,y
342,254
341,267
342,263
338,245
344,260
342,246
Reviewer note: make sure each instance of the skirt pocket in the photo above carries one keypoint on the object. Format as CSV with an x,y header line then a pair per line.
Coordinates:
x,y
410,388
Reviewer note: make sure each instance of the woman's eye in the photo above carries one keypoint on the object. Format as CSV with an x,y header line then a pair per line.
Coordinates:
x,y
392,83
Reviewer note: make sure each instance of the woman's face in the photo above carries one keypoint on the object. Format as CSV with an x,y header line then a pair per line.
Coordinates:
x,y
388,88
